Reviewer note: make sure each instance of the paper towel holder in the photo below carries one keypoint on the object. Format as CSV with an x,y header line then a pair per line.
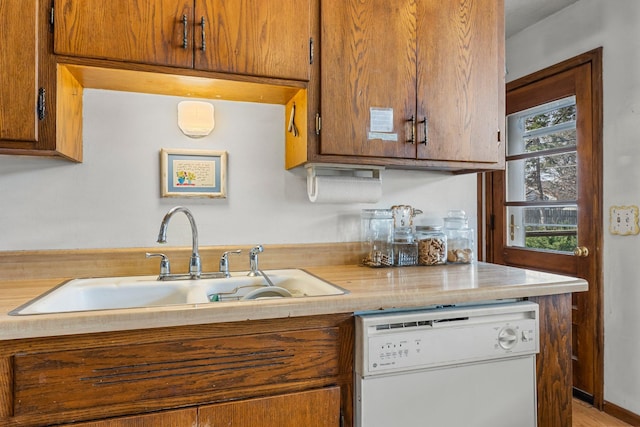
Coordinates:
x,y
338,169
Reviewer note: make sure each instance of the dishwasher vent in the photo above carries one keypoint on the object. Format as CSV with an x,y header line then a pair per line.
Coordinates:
x,y
398,325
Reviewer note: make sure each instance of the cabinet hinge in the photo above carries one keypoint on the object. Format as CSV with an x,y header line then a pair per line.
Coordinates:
x,y
318,123
52,16
492,222
499,136
42,110
311,53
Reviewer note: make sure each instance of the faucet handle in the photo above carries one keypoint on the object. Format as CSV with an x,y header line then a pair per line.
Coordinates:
x,y
224,262
165,268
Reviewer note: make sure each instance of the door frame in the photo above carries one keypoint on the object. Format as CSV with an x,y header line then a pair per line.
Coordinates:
x,y
488,232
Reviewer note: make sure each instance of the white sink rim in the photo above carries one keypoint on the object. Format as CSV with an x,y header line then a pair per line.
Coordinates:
x,y
177,292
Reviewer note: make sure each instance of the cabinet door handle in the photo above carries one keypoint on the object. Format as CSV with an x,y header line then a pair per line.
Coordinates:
x,y
204,41
412,120
425,138
185,40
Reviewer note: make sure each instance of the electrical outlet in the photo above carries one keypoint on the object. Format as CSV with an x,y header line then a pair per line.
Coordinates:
x,y
623,220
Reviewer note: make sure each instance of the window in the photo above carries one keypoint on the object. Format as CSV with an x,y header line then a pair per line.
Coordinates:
x,y
542,177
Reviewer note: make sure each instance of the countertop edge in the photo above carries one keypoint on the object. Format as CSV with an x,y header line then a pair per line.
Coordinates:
x,y
516,284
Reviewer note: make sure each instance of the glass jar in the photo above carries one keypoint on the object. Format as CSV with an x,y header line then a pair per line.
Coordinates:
x,y
459,237
432,245
405,248
377,237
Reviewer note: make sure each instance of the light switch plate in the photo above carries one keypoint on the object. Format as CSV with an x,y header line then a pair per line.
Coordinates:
x,y
623,220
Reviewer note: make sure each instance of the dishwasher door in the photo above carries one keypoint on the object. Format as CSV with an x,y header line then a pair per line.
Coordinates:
x,y
452,367
493,394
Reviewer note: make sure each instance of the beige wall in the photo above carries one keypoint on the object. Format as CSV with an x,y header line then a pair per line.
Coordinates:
x,y
112,199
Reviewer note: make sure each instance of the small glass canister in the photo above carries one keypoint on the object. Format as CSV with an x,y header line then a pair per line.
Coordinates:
x,y
377,237
432,245
405,248
459,238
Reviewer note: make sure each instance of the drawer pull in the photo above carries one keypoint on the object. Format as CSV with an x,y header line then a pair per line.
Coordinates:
x,y
412,140
185,40
204,41
425,137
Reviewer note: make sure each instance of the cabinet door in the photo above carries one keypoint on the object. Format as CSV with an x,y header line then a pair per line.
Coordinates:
x,y
255,37
460,79
182,418
368,77
19,77
315,408
147,31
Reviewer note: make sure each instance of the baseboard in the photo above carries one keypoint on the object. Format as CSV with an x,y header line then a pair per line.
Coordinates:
x,y
584,396
622,414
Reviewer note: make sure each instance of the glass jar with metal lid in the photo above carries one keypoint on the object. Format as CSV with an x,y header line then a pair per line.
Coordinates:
x,y
459,237
432,245
377,237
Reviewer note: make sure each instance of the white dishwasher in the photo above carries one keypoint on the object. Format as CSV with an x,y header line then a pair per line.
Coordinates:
x,y
458,366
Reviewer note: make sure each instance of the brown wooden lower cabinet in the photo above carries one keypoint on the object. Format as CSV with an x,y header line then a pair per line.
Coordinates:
x,y
275,372
278,372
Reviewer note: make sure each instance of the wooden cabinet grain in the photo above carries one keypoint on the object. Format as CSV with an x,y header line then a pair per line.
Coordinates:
x,y
266,38
302,366
30,87
314,408
368,61
19,76
413,84
147,31
460,78
179,418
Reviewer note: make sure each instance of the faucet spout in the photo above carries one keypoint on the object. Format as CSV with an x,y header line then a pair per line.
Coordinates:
x,y
195,267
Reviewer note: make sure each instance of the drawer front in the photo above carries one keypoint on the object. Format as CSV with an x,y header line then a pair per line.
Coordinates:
x,y
213,368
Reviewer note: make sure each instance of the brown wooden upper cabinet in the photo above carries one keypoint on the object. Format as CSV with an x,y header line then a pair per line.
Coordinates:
x,y
19,77
267,38
32,94
413,81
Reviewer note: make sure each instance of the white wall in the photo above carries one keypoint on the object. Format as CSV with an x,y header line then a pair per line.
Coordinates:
x,y
113,200
581,27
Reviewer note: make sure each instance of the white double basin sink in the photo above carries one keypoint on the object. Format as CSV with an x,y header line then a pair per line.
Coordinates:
x,y
108,293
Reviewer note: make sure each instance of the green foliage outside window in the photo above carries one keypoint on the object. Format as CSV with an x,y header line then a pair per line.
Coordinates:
x,y
553,243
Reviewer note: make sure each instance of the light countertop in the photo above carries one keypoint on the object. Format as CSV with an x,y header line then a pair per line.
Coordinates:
x,y
369,289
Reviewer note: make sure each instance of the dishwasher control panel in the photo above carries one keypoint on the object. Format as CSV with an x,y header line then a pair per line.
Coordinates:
x,y
444,336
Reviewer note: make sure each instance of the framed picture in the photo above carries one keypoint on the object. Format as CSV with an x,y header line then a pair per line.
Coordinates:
x,y
193,173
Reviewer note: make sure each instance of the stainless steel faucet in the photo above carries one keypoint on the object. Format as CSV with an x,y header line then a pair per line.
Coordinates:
x,y
195,267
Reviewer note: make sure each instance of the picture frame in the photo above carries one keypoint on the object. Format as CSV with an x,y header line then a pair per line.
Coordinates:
x,y
193,173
